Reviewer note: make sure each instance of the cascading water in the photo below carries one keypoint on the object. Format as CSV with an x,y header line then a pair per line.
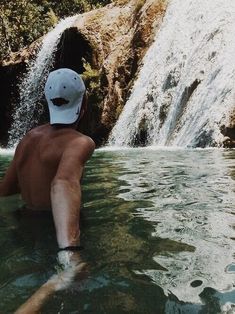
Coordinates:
x,y
185,89
31,87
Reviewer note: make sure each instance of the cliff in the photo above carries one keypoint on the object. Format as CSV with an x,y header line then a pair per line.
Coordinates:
x,y
107,46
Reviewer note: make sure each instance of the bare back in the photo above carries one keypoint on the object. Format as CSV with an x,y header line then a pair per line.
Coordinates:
x,y
38,157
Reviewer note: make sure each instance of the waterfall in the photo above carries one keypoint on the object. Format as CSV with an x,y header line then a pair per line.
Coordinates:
x,y
185,89
31,87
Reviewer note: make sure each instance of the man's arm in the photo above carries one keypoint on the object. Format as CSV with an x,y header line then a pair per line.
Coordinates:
x,y
66,191
65,200
9,184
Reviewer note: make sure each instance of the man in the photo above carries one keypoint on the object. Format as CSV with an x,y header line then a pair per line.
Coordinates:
x,y
49,160
47,169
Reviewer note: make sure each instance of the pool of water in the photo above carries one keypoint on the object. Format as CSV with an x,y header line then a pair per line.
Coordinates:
x,y
158,227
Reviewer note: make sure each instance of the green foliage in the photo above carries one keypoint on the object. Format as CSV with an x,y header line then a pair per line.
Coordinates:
x,y
20,24
23,21
139,5
70,7
89,75
91,78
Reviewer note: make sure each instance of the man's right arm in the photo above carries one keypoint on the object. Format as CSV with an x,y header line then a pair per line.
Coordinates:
x,y
66,191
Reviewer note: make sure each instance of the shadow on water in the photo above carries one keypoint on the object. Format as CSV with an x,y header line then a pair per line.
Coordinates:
x,y
142,228
27,254
28,248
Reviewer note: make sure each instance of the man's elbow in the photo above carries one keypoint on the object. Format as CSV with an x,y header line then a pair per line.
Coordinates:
x,y
64,182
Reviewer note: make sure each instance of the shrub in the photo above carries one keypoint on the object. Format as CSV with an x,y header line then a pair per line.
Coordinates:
x,y
91,78
23,21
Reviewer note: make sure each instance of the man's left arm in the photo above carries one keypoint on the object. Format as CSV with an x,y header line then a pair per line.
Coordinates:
x,y
9,184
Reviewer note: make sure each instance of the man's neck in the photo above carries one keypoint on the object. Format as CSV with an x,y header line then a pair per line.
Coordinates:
x,y
60,126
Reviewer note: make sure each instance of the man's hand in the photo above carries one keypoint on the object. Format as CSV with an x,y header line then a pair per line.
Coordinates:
x,y
60,281
72,266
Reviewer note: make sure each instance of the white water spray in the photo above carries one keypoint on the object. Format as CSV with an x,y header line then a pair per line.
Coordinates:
x,y
31,87
185,89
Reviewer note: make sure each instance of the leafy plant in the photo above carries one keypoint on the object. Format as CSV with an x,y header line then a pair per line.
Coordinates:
x,y
23,21
139,5
91,78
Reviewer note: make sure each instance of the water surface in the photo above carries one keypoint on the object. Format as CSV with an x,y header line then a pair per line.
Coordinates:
x,y
158,228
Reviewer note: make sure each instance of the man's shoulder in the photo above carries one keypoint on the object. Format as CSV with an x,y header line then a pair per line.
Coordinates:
x,y
60,140
80,145
83,140
35,133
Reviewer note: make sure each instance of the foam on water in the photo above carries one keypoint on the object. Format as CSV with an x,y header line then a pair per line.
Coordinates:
x,y
7,152
155,148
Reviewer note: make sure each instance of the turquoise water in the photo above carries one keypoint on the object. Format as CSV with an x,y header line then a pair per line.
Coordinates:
x,y
158,227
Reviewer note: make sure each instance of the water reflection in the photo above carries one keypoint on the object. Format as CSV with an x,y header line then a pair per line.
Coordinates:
x,y
192,203
158,232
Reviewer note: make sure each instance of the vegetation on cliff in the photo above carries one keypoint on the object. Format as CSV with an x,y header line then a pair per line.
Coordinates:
x,y
106,46
23,21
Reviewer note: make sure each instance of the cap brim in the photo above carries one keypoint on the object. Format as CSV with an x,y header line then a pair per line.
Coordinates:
x,y
65,114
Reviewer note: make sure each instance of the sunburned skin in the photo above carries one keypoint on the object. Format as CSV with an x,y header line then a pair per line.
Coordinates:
x,y
47,169
49,163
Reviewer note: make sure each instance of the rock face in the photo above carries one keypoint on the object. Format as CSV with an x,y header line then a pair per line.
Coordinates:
x,y
107,46
229,132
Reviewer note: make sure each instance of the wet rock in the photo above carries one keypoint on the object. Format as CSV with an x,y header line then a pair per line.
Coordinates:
x,y
229,134
111,41
196,283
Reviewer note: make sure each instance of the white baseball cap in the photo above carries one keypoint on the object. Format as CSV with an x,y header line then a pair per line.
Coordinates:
x,y
64,91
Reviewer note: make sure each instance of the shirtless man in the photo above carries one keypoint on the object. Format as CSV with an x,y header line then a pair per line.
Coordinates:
x,y
49,160
47,169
